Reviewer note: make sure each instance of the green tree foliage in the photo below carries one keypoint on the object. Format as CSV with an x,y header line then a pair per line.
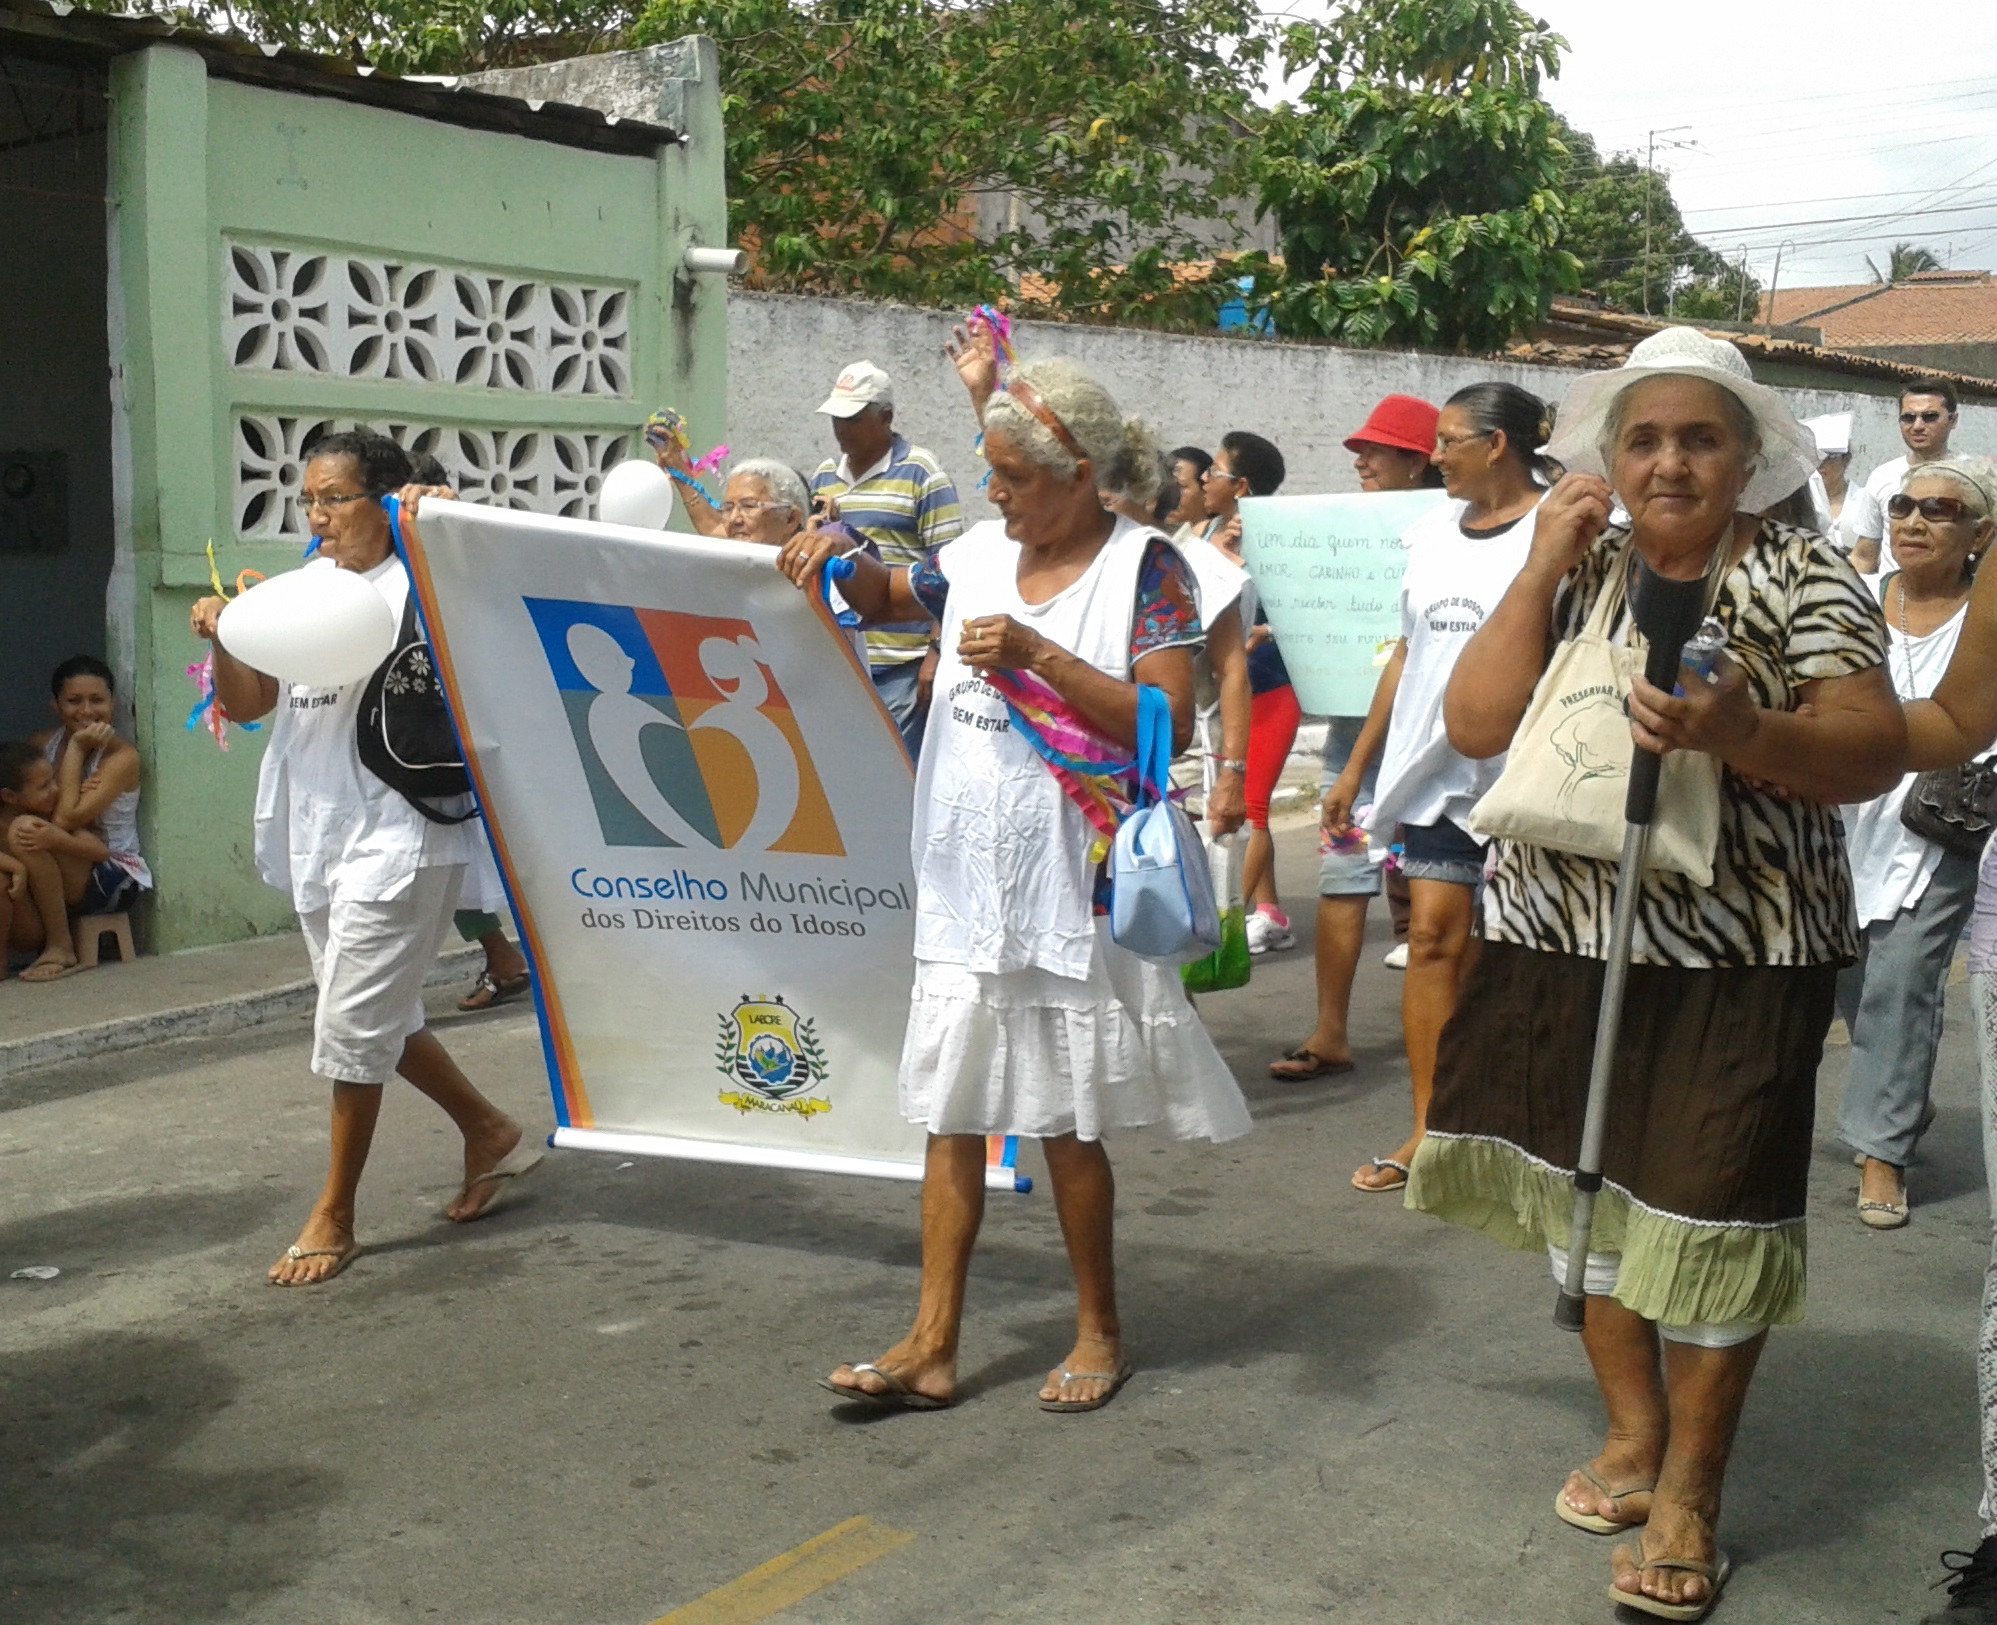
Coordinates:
x,y
1907,259
415,36
1635,252
1416,179
862,135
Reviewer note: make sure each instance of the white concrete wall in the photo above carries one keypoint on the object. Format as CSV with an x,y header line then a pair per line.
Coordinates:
x,y
785,351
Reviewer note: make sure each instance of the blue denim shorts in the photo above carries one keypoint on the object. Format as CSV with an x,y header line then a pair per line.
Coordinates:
x,y
1441,851
1348,870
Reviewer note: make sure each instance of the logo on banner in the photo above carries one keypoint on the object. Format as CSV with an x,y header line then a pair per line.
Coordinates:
x,y
765,1045
685,737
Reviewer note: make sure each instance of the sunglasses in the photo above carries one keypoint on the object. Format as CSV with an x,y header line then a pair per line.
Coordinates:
x,y
1922,417
1936,510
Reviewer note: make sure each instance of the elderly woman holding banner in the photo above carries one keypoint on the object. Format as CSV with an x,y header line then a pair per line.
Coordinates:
x,y
1698,1244
1027,1018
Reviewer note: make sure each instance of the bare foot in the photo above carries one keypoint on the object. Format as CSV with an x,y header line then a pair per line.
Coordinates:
x,y
1620,1488
321,1251
1388,1178
1312,1059
1101,1356
483,1154
1677,1535
1882,1182
919,1370
53,966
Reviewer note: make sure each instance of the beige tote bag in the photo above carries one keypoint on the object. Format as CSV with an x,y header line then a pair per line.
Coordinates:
x,y
1567,773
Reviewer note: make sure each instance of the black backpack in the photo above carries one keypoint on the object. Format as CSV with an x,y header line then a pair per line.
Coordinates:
x,y
404,733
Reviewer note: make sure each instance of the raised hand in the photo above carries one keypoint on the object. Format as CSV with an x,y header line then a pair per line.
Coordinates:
x,y
974,352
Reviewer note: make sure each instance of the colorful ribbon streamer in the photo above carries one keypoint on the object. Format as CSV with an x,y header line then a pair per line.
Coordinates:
x,y
666,430
999,325
1091,769
202,672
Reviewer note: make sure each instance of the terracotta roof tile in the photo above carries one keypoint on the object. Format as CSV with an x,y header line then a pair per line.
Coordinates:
x,y
1937,307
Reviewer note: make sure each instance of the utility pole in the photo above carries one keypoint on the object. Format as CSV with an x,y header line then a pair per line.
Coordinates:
x,y
1649,185
1775,281
1740,305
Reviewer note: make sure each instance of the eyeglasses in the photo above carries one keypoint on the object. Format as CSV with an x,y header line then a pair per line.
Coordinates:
x,y
1216,472
329,503
1936,510
1449,442
1922,417
748,509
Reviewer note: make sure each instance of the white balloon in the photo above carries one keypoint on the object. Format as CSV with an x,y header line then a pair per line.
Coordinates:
x,y
636,492
319,627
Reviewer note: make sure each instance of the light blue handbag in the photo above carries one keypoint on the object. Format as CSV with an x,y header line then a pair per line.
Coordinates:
x,y
1161,902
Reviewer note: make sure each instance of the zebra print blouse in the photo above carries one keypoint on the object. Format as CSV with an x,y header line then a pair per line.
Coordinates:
x,y
1795,612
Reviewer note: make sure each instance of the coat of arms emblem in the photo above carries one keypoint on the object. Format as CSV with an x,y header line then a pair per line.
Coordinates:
x,y
765,1045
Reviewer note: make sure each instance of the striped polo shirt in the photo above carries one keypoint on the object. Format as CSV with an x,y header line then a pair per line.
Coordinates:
x,y
906,506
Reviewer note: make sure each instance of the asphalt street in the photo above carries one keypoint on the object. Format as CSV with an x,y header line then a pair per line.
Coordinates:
x,y
598,1406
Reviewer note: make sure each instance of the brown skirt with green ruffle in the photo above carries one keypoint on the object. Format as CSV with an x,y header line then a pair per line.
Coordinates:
x,y
1706,1166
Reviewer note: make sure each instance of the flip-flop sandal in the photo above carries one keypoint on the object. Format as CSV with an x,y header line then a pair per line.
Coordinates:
x,y
1594,1522
521,1161
1071,1407
897,1396
1305,1063
342,1259
1714,1574
49,973
1381,1190
487,992
1883,1215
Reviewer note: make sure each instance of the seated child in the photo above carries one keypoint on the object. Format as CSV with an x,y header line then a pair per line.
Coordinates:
x,y
88,843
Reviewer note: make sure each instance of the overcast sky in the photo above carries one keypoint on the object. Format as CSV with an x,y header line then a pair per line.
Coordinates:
x,y
1810,118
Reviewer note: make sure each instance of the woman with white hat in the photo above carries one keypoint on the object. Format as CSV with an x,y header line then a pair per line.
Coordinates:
x,y
1698,1245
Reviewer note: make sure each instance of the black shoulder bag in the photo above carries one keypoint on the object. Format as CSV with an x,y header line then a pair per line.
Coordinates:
x,y
404,733
1954,807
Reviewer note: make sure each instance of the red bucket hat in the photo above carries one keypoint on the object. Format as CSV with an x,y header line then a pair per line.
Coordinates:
x,y
1400,421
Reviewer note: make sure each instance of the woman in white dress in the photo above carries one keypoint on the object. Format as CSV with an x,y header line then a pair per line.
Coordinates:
x,y
1913,897
374,882
1026,1018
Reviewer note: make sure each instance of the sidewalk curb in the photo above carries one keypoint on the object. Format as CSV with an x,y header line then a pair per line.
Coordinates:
x,y
214,1019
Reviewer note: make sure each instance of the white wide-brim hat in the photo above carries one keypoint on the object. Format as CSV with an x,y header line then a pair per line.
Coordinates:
x,y
1788,454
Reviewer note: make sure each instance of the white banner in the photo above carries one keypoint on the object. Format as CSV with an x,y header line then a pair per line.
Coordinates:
x,y
702,814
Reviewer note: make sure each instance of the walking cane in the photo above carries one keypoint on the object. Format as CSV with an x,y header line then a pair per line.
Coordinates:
x,y
1667,613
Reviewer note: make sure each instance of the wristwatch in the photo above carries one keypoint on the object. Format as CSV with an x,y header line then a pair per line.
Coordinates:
x,y
1224,763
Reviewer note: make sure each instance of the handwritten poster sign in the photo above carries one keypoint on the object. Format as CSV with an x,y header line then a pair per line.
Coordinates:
x,y
1328,572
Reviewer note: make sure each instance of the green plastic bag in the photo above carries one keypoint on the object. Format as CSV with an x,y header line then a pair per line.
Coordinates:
x,y
1228,965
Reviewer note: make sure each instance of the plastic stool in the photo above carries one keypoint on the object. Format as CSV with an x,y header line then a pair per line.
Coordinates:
x,y
89,930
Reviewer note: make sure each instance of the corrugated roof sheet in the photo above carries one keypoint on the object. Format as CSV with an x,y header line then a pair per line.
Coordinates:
x,y
56,28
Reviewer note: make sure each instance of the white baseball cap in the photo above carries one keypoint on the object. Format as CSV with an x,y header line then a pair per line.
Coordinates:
x,y
860,386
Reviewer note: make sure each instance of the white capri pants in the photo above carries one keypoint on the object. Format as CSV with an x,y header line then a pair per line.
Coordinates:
x,y
370,961
1600,1282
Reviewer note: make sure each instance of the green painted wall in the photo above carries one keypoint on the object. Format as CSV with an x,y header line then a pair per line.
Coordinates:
x,y
218,184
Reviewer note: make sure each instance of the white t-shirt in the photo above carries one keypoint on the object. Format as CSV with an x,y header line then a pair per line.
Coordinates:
x,y
1452,584
326,827
1881,485
1860,517
1891,865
